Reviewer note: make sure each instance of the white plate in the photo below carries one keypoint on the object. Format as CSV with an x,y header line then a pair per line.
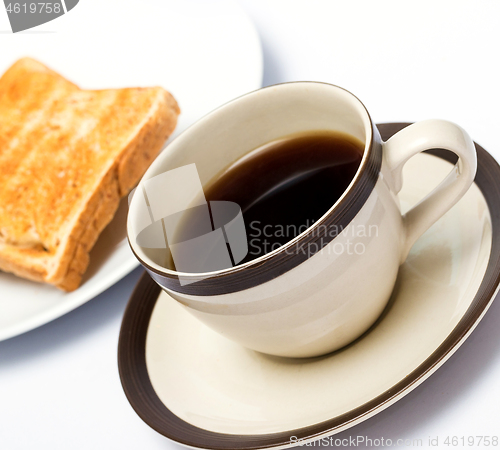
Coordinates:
x,y
204,54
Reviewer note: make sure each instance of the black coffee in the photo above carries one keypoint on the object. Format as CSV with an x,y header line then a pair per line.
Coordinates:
x,y
284,186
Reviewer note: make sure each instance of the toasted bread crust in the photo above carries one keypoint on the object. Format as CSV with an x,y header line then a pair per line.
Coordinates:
x,y
51,241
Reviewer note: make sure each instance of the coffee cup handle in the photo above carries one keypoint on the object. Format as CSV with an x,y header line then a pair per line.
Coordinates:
x,y
416,138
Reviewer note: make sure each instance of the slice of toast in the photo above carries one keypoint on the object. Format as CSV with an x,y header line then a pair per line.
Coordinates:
x,y
67,156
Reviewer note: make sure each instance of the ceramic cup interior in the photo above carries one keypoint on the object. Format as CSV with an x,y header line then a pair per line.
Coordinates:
x,y
242,125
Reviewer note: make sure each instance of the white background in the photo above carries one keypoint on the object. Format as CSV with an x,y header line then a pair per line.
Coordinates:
x,y
406,61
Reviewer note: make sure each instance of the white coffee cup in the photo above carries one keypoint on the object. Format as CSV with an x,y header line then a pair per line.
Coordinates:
x,y
308,297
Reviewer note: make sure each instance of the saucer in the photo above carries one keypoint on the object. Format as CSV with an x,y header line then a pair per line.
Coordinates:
x,y
201,390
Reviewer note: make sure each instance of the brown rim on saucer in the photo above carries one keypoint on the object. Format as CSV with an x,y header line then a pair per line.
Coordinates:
x,y
276,263
141,395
